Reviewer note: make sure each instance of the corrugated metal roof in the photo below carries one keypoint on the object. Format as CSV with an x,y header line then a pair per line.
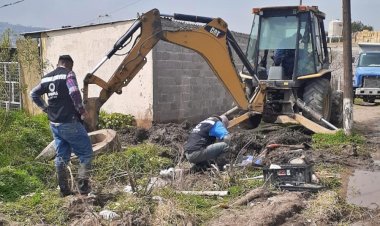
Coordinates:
x,y
37,34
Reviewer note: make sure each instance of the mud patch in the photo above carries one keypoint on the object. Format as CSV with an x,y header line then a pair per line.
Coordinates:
x,y
364,189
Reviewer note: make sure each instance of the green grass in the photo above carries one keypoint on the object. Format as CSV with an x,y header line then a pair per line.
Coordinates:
x,y
135,163
22,137
322,141
16,182
41,207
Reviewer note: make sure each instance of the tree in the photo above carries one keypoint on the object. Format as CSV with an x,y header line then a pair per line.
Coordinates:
x,y
359,26
7,53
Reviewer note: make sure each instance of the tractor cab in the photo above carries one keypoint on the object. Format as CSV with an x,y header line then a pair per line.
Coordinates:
x,y
287,43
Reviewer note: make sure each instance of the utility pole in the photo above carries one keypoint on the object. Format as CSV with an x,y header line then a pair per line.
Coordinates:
x,y
347,69
300,2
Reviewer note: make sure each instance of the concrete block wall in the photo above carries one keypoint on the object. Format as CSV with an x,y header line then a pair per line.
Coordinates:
x,y
366,36
184,86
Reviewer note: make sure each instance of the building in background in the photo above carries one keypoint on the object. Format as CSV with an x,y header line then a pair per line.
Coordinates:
x,y
335,31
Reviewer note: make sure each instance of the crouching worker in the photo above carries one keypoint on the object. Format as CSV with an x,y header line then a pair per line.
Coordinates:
x,y
65,112
208,141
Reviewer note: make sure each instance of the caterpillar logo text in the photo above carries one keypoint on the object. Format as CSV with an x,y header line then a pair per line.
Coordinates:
x,y
216,32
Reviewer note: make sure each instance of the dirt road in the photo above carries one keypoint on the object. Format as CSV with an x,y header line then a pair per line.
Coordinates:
x,y
367,121
363,187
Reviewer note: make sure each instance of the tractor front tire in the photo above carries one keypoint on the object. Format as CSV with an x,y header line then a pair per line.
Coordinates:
x,y
317,95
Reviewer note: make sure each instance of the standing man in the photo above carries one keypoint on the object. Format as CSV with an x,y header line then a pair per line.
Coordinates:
x,y
65,112
207,141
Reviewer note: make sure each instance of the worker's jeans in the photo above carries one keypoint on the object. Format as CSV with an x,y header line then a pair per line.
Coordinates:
x,y
71,137
211,152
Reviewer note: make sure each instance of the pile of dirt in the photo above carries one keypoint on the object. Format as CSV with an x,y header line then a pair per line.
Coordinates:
x,y
173,137
285,155
132,135
252,142
169,135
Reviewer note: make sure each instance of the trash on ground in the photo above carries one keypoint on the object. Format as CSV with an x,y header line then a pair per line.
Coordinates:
x,y
109,215
206,193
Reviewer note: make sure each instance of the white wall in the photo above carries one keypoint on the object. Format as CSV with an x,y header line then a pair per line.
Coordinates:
x,y
87,46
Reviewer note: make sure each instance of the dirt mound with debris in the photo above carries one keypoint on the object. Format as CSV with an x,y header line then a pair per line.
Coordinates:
x,y
254,141
243,142
273,211
173,136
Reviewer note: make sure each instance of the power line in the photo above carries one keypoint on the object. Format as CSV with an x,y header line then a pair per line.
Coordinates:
x,y
12,3
123,7
114,11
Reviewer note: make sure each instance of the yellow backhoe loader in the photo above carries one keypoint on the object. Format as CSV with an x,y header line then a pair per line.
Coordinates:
x,y
285,75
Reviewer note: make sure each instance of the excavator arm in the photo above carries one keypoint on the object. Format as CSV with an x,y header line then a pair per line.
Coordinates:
x,y
212,42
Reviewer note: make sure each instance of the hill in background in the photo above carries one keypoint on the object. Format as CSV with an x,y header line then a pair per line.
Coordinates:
x,y
17,29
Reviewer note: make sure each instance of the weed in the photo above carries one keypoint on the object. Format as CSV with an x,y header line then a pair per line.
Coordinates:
x,y
236,190
198,207
115,120
329,175
127,202
137,209
242,184
358,101
328,206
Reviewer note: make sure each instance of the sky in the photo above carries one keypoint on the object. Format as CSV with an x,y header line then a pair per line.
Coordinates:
x,y
53,14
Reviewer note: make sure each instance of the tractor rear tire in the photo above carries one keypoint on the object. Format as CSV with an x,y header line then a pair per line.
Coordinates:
x,y
336,117
317,95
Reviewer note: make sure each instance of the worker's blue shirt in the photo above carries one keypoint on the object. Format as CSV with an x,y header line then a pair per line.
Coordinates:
x,y
218,130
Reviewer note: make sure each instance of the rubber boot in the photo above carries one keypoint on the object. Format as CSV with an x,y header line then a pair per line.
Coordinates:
x,y
83,179
63,182
200,167
221,161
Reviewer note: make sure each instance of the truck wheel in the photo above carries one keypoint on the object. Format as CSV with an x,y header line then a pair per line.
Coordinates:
x,y
317,95
336,117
